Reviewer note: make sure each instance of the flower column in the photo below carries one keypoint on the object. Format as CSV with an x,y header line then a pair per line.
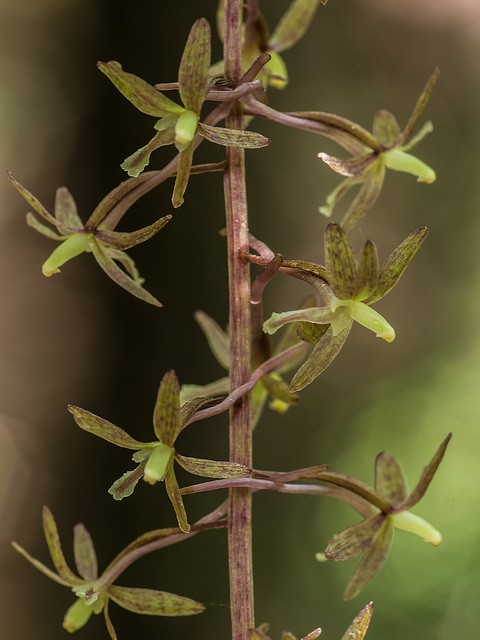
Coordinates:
x,y
239,515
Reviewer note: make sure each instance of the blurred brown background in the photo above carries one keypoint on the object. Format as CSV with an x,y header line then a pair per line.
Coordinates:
x,y
77,338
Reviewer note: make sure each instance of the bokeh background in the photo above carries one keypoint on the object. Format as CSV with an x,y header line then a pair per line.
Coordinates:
x,y
77,338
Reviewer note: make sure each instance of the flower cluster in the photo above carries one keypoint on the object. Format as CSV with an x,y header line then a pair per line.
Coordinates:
x,y
348,287
93,592
156,459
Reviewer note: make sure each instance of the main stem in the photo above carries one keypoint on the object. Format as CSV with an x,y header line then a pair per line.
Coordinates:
x,y
240,499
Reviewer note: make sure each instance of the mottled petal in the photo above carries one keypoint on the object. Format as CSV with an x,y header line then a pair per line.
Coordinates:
x,y
193,70
371,562
190,391
104,429
386,128
33,222
176,499
367,274
56,553
213,468
233,137
136,163
66,209
397,262
166,415
420,107
125,485
321,357
141,94
218,340
183,175
337,194
340,261
37,205
40,566
366,196
358,628
354,540
153,603
125,240
84,553
293,24
426,477
351,167
108,622
119,276
389,479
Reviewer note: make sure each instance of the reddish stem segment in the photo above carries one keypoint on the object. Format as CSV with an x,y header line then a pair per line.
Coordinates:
x,y
240,498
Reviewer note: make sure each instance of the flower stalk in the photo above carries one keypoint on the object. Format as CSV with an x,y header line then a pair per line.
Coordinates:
x,y
240,499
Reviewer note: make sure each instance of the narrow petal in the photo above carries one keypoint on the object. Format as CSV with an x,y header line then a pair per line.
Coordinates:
x,y
33,222
318,315
367,274
212,468
354,540
426,477
119,276
190,391
166,415
337,194
340,261
389,479
321,357
136,163
66,209
386,128
56,553
40,566
418,137
125,240
104,429
218,340
141,94
371,562
84,553
420,106
110,628
397,262
183,175
233,137
193,70
293,24
358,628
176,499
153,603
366,196
37,205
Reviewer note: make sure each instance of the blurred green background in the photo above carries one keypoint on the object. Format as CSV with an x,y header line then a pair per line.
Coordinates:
x,y
79,339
